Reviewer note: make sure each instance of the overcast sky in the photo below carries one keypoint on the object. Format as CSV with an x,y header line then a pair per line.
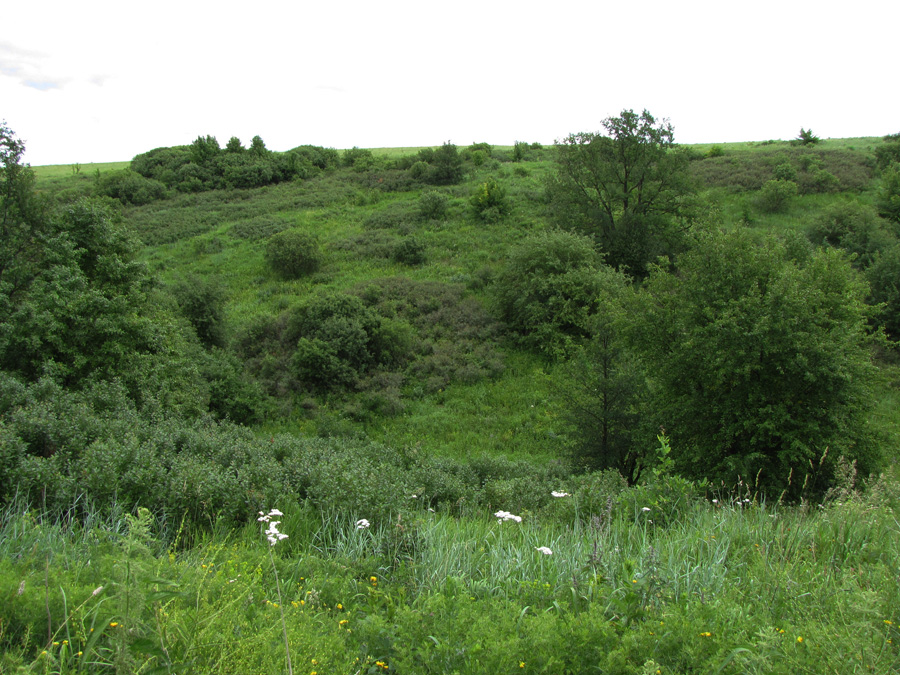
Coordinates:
x,y
97,81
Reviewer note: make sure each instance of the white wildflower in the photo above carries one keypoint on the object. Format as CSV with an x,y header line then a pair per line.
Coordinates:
x,y
362,524
544,550
556,493
506,515
645,509
272,533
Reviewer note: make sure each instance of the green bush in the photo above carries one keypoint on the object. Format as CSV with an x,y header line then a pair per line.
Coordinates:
x,y
807,137
293,253
446,166
338,339
549,290
409,251
888,200
785,171
854,227
489,201
202,302
129,187
776,195
433,205
759,362
883,275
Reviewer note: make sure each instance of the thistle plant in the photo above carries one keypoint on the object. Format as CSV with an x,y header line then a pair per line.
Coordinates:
x,y
274,536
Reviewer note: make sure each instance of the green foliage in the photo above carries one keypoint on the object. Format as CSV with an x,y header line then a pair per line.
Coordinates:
x,y
257,147
433,205
205,166
409,251
129,187
888,152
357,158
855,228
549,290
338,339
883,275
445,165
202,302
785,171
606,397
628,188
715,151
807,137
888,200
293,253
760,363
776,195
489,202
80,312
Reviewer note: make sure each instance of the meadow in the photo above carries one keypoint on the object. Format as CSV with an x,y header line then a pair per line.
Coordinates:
x,y
437,520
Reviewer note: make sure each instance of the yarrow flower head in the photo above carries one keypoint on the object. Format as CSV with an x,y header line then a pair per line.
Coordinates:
x,y
544,550
558,493
272,533
266,517
362,524
506,515
645,509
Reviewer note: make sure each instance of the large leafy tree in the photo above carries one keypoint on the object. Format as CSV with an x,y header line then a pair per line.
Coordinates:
x,y
73,297
759,356
627,187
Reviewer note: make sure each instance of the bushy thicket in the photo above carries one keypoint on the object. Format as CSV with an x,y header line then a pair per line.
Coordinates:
x,y
813,169
59,448
759,358
293,253
425,332
550,290
204,165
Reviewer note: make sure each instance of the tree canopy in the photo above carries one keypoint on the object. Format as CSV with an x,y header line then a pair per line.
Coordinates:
x,y
627,188
760,361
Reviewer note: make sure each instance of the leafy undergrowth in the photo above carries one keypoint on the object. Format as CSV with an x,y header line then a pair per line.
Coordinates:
x,y
630,583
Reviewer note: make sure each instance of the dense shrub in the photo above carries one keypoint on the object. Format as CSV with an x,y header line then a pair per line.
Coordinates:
x,y
759,362
550,288
293,253
202,302
338,339
129,187
445,165
776,195
409,251
883,275
853,227
489,201
888,200
433,205
888,152
785,171
358,158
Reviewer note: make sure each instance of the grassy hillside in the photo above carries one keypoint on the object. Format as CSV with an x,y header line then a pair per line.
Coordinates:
x,y
437,518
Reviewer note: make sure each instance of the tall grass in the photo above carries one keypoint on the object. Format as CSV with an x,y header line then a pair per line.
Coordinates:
x,y
736,587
